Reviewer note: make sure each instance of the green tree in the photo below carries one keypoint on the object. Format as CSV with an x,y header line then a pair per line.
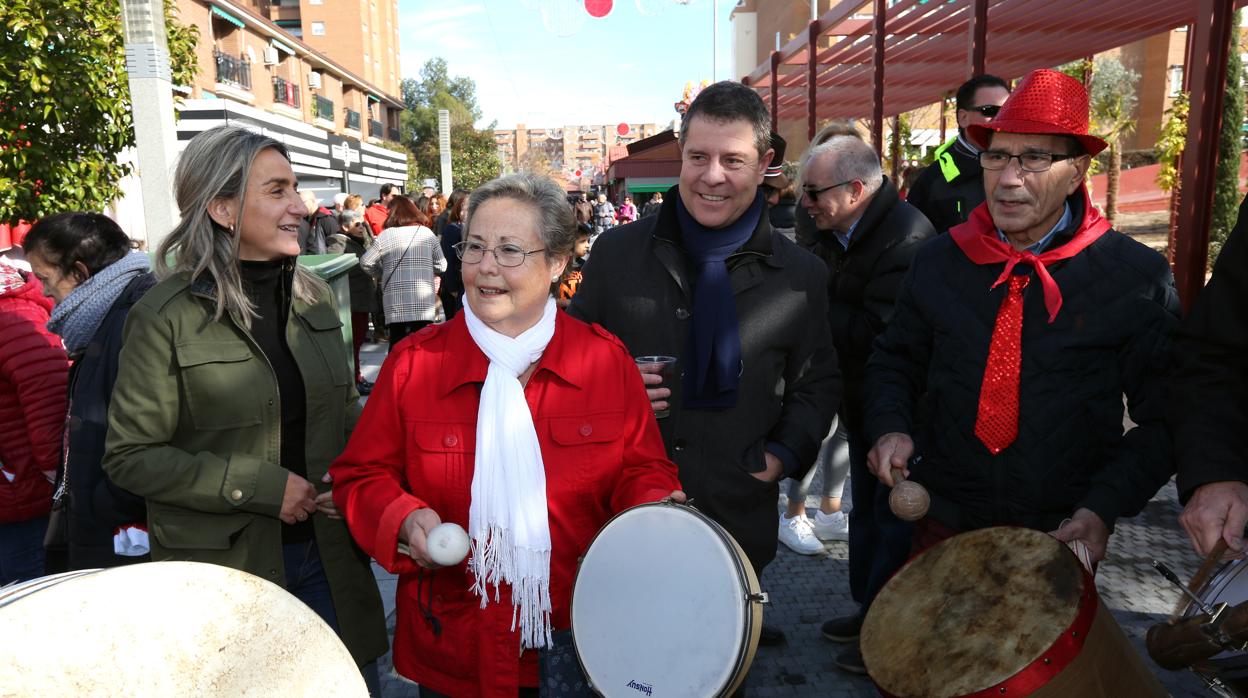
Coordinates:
x,y
474,157
1171,141
1226,196
1112,101
65,104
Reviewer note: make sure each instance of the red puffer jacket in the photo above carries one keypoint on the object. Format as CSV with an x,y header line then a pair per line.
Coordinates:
x,y
33,402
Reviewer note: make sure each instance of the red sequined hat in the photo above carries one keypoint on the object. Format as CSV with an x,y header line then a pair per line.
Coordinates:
x,y
1047,102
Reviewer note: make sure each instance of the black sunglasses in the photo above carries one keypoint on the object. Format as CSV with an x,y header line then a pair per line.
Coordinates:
x,y
814,193
988,110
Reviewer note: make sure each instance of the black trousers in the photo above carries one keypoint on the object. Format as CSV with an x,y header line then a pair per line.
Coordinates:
x,y
399,330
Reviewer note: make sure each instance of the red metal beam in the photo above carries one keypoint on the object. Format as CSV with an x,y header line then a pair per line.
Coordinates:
x,y
877,98
1211,44
812,67
979,38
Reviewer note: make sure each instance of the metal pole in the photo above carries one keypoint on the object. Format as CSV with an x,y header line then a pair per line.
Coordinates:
x,y
714,40
1189,59
877,99
979,39
444,149
1204,123
155,127
944,113
775,90
812,77
814,10
896,154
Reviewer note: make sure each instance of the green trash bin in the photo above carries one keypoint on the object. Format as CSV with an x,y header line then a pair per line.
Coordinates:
x,y
333,269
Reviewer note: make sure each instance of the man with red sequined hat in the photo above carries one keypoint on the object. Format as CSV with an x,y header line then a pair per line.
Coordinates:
x,y
999,383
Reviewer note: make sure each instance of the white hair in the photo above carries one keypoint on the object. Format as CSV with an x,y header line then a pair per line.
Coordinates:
x,y
852,160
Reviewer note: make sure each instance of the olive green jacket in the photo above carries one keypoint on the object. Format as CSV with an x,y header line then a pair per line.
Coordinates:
x,y
195,427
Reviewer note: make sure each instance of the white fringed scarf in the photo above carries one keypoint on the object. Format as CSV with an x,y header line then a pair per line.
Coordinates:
x,y
507,520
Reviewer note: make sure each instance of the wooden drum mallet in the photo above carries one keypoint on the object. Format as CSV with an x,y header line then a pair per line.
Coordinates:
x,y
908,500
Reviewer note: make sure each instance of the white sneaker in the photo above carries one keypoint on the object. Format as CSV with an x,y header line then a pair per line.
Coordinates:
x,y
799,535
833,526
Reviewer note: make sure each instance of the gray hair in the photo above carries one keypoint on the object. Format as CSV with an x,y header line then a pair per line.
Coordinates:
x,y
731,101
853,159
349,217
216,165
555,216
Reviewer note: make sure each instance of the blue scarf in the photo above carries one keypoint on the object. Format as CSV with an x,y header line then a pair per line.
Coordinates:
x,y
77,317
713,352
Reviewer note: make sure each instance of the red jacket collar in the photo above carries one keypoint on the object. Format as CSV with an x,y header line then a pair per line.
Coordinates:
x,y
467,363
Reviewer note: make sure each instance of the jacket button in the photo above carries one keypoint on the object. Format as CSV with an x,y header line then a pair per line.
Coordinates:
x,y
236,495
682,314
679,445
449,441
586,430
270,402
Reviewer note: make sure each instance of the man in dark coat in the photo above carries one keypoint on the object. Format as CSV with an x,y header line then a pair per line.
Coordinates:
x,y
1209,402
952,186
868,237
741,308
1023,329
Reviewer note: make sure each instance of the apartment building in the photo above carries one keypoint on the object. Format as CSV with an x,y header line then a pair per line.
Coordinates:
x,y
255,73
360,35
577,154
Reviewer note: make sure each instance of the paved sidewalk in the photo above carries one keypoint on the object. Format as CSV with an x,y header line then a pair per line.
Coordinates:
x,y
805,591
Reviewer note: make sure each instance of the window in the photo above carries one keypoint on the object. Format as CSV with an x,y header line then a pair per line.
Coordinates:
x,y
315,2
293,26
1175,74
318,29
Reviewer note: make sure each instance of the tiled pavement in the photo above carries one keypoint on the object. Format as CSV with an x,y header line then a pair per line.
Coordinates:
x,y
805,591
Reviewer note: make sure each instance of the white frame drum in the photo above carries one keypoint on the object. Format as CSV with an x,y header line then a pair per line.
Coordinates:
x,y
665,604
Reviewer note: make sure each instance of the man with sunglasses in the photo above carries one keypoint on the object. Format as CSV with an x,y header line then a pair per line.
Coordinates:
x,y
1021,331
741,308
867,236
952,186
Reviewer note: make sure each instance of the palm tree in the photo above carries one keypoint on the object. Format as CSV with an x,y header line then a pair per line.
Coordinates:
x,y
1113,101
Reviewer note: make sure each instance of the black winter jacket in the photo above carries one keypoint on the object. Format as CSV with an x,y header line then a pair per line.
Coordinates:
x,y
947,203
96,506
639,286
863,284
1112,337
1209,392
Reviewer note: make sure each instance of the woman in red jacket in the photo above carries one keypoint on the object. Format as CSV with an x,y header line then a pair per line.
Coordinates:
x,y
516,421
33,371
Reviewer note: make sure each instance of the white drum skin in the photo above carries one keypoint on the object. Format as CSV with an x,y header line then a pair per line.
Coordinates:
x,y
167,629
665,604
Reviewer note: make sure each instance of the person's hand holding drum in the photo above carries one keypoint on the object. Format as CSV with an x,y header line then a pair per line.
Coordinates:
x,y
415,533
1217,510
1088,528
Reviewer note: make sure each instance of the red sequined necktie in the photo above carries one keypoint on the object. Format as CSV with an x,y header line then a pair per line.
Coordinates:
x,y
996,423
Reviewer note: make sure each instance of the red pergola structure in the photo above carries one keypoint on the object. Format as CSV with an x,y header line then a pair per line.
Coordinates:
x,y
912,53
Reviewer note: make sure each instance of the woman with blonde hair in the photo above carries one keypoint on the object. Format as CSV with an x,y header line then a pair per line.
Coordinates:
x,y
234,392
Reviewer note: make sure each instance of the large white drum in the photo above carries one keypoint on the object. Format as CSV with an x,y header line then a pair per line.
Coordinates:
x,y
167,629
665,604
1227,672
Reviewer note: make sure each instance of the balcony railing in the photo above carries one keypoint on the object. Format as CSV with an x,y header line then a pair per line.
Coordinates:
x,y
376,129
394,134
233,71
324,108
285,92
352,120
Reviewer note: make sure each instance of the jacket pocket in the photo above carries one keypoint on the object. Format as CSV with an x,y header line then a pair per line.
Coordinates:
x,y
218,377
583,430
327,336
190,531
442,459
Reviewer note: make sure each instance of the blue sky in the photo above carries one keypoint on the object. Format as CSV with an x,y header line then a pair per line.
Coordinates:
x,y
624,67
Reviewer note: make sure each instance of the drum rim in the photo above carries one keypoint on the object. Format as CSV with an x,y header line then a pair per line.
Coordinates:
x,y
748,582
47,582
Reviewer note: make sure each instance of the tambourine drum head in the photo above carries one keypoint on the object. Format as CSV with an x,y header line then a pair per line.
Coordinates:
x,y
167,629
658,607
971,612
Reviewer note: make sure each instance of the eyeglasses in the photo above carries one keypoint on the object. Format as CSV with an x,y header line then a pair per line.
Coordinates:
x,y
1030,161
505,255
814,193
988,110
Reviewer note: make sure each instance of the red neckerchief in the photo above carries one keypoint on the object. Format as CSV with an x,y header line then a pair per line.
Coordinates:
x,y
978,240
